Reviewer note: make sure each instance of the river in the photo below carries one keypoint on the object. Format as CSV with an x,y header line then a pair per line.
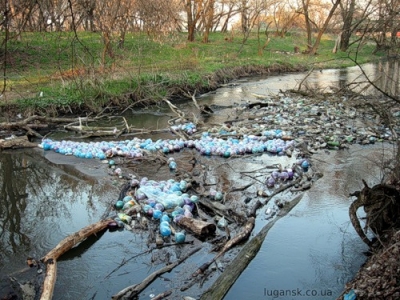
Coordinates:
x,y
46,196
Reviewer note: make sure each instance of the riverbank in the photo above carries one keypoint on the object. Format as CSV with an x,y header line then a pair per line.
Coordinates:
x,y
379,277
171,68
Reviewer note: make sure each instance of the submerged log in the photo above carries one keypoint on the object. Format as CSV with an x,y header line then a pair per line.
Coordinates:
x,y
197,227
224,282
50,259
132,291
240,237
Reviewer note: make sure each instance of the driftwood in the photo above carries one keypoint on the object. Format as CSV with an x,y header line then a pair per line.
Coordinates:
x,y
50,259
241,236
125,261
176,110
220,209
98,131
382,207
254,209
198,227
223,283
16,142
131,291
32,122
162,295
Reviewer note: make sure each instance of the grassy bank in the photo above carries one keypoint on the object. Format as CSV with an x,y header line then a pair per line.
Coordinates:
x,y
61,72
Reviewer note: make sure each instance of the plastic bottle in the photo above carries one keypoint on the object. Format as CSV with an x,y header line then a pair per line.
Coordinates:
x,y
119,204
351,295
165,229
157,214
180,237
218,196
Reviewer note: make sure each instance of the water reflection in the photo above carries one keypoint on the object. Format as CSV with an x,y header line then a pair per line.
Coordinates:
x,y
14,183
388,78
385,73
40,205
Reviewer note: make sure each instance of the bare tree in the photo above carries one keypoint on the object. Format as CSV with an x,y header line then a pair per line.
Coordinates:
x,y
251,12
85,10
158,17
320,22
284,16
194,10
224,11
323,28
352,15
386,25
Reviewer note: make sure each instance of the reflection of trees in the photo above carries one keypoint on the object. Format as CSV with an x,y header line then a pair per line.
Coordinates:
x,y
12,201
389,78
38,203
24,181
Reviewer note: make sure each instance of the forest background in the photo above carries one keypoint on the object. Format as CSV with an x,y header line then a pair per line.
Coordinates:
x,y
74,56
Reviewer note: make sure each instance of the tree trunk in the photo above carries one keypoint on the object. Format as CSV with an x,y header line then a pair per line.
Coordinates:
x,y
190,22
244,17
307,23
322,30
209,20
347,14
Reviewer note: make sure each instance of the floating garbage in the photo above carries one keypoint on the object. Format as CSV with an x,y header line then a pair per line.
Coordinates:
x,y
206,145
189,128
180,237
165,229
305,165
222,223
172,164
125,218
350,295
157,214
218,196
165,217
113,225
119,204
270,182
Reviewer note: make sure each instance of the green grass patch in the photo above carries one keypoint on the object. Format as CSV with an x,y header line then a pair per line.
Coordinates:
x,y
69,70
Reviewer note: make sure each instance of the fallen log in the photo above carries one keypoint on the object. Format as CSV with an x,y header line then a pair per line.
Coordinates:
x,y
133,290
224,282
50,259
16,142
197,227
241,236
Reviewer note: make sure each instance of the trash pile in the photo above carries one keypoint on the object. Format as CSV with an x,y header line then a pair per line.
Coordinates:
x,y
169,203
165,201
332,123
206,145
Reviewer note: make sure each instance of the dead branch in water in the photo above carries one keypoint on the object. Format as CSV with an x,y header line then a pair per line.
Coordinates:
x,y
241,236
131,291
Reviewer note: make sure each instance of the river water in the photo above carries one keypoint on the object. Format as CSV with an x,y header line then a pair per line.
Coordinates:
x,y
45,196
